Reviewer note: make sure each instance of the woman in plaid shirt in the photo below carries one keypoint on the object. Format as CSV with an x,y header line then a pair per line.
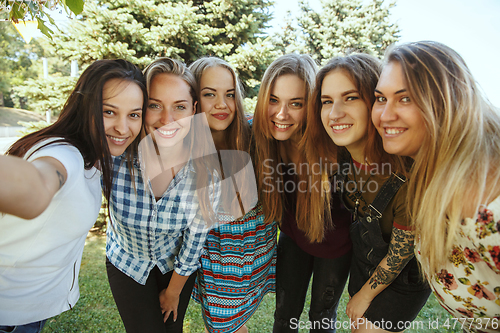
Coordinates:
x,y
160,205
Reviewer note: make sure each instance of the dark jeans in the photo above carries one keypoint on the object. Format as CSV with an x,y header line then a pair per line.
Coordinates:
x,y
139,305
294,268
34,327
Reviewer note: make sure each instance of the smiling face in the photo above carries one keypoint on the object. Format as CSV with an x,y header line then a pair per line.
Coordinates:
x,y
217,97
170,108
344,114
122,102
397,118
287,107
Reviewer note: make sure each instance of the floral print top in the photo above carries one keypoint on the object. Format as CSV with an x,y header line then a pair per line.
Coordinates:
x,y
468,287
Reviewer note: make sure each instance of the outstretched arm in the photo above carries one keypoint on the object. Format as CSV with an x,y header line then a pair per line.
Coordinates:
x,y
399,254
27,188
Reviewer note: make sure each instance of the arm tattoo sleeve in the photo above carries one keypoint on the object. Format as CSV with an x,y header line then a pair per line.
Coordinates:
x,y
399,254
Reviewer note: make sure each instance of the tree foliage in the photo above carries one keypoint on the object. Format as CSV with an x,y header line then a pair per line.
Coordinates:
x,y
16,61
38,10
48,94
341,25
143,30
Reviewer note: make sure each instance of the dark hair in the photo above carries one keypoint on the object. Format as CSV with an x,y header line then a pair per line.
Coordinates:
x,y
81,120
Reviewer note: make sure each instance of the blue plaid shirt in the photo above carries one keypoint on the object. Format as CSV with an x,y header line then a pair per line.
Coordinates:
x,y
168,233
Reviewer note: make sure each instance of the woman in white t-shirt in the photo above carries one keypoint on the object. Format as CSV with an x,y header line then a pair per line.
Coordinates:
x,y
50,192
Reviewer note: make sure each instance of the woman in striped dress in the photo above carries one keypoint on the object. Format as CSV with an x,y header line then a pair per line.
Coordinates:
x,y
238,262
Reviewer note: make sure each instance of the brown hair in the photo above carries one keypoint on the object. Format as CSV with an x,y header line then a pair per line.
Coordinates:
x,y
238,132
363,71
266,147
81,120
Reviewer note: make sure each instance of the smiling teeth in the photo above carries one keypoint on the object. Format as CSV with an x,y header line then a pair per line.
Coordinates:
x,y
282,125
393,131
340,127
167,132
116,139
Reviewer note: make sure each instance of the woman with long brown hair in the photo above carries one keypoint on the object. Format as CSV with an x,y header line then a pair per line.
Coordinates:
x,y
238,264
384,285
282,177
50,192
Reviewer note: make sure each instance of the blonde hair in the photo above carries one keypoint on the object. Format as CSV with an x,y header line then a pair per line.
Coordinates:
x,y
238,132
266,147
206,165
460,153
171,66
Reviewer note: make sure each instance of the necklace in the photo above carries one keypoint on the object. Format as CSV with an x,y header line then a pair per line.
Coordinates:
x,y
358,194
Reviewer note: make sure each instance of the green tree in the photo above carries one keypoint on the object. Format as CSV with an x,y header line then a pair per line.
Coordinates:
x,y
17,62
142,30
46,94
341,25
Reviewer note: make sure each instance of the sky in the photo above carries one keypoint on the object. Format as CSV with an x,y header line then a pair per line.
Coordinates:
x,y
470,27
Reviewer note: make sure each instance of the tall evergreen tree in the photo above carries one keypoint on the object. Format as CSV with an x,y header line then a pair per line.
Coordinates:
x,y
341,25
142,30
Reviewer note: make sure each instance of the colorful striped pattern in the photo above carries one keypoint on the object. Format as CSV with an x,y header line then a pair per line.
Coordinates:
x,y
238,267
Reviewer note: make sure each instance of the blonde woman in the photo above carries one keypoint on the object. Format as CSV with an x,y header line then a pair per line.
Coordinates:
x,y
429,107
280,118
160,206
238,262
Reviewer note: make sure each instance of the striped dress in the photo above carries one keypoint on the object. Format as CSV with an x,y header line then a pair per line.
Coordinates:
x,y
238,267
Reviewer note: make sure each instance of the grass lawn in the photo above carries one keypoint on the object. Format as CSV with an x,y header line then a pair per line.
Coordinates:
x,y
96,310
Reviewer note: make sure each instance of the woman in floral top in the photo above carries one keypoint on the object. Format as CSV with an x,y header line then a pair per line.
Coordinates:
x,y
429,107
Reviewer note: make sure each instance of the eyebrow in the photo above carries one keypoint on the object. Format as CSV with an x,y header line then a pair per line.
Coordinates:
x,y
350,92
396,93
115,107
179,101
213,89
293,99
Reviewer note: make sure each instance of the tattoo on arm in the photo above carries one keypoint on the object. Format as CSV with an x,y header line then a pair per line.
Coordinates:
x,y
399,254
61,179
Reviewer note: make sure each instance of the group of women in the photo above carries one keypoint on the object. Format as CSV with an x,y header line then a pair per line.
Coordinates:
x,y
385,173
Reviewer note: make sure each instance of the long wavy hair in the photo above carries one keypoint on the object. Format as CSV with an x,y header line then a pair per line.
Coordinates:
x,y
267,153
205,164
456,168
237,134
81,120
364,71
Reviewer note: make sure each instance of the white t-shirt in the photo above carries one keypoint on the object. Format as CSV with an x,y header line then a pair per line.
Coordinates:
x,y
40,258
